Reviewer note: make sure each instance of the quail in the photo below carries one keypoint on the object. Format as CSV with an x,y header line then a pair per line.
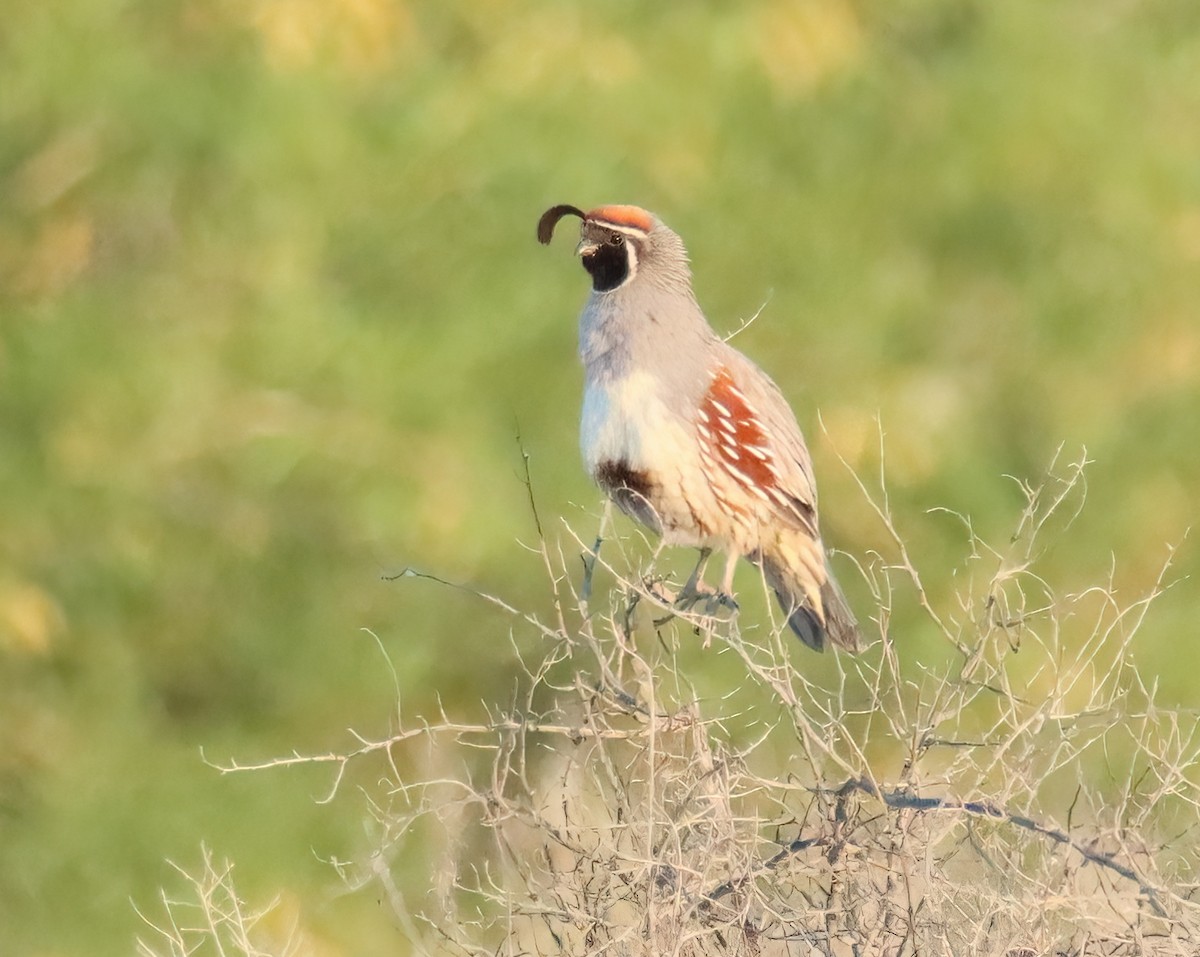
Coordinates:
x,y
684,433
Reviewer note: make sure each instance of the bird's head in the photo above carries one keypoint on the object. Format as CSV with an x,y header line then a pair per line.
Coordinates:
x,y
619,243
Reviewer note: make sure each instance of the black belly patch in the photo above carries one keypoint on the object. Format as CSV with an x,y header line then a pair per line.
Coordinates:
x,y
633,491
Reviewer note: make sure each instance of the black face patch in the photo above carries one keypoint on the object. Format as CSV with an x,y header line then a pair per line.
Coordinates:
x,y
608,264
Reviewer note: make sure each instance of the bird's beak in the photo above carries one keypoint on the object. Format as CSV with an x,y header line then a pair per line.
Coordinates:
x,y
586,247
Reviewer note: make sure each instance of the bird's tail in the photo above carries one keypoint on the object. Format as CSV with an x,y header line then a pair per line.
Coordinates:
x,y
815,607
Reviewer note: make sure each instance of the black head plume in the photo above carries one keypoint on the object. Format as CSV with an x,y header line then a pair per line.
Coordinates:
x,y
550,219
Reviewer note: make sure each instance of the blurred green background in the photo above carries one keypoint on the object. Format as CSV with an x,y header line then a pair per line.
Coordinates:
x,y
271,313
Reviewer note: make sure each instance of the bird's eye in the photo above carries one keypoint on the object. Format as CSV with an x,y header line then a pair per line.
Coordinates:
x,y
616,239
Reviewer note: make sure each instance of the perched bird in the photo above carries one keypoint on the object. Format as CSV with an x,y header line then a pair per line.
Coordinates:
x,y
684,433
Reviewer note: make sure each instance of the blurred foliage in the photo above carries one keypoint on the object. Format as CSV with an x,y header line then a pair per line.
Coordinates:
x,y
271,314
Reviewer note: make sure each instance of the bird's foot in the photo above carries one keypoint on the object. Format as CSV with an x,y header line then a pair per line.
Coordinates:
x,y
658,589
699,598
695,599
720,602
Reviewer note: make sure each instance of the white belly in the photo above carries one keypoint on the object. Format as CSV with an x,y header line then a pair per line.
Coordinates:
x,y
624,421
628,423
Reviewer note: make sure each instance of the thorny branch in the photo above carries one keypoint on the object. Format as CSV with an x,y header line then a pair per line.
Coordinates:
x,y
620,811
903,800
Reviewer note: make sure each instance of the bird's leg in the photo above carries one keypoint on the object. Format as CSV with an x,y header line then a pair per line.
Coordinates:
x,y
695,590
725,597
722,598
656,584
691,592
694,587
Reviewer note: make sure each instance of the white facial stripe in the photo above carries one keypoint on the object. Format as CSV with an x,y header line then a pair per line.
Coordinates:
x,y
618,228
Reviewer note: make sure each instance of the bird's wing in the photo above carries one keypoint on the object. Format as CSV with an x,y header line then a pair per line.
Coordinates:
x,y
748,430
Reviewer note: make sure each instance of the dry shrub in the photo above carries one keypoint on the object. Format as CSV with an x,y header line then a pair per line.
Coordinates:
x,y
993,803
210,917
